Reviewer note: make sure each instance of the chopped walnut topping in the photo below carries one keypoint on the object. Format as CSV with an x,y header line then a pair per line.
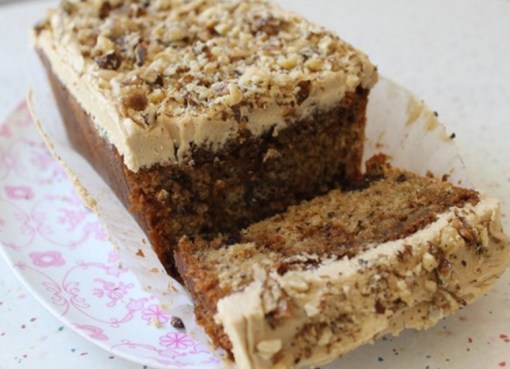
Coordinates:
x,y
445,269
175,33
104,46
110,60
451,240
268,25
303,92
312,310
277,304
141,53
68,7
135,101
468,234
204,55
314,64
136,10
326,336
431,286
41,26
235,96
429,262
298,284
104,9
152,77
484,237
288,62
162,4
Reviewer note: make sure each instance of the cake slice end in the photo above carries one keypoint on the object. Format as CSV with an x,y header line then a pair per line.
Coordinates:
x,y
400,251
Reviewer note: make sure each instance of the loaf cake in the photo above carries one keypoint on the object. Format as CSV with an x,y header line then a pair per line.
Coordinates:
x,y
393,251
205,116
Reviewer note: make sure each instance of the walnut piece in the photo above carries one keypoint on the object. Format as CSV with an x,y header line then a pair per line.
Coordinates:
x,y
135,101
141,53
304,92
104,9
110,60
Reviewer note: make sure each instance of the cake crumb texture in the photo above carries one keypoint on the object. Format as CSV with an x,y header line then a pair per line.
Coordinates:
x,y
393,251
386,205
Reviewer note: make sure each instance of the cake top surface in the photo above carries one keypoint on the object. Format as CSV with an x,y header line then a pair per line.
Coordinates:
x,y
192,55
169,62
388,205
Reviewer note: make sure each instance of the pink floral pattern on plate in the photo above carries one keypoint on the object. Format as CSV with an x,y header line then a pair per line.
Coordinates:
x,y
47,259
60,250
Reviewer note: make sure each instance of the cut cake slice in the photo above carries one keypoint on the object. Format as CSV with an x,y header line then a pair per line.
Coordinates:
x,y
304,287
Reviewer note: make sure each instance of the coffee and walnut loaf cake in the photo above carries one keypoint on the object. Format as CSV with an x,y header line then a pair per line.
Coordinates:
x,y
205,116
394,251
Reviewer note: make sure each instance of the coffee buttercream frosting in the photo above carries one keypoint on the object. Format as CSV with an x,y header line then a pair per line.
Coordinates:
x,y
161,77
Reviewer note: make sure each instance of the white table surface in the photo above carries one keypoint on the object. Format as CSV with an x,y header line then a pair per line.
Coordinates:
x,y
454,54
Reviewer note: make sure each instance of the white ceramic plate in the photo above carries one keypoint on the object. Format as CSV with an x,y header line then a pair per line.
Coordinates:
x,y
59,250
61,253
